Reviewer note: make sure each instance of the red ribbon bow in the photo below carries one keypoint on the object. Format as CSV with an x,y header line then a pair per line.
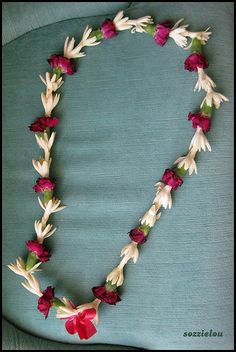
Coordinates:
x,y
82,324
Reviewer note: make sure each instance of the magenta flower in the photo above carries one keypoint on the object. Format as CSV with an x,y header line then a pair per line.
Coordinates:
x,y
43,183
162,32
46,300
61,63
108,29
41,252
42,123
171,179
199,119
110,297
195,61
137,235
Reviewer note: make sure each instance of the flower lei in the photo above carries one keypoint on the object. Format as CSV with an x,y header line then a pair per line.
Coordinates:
x,y
82,319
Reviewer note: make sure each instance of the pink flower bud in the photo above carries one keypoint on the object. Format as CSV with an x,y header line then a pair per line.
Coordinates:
x,y
108,29
137,235
171,179
199,119
110,297
41,252
46,300
162,32
42,123
61,63
43,183
195,61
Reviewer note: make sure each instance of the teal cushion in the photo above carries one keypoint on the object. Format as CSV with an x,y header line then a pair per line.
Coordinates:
x,y
123,120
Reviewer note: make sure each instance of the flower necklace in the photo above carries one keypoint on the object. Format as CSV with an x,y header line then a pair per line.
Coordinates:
x,y
82,319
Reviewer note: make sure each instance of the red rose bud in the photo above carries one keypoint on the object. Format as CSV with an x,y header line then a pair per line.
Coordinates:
x,y
61,63
110,297
45,302
171,179
162,32
43,184
138,235
200,120
195,61
41,252
42,123
108,29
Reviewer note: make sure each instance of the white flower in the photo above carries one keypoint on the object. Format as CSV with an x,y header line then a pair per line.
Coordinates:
x,y
130,251
204,81
179,34
139,23
20,268
116,276
202,36
150,217
163,195
43,233
44,142
51,207
199,141
51,83
121,23
42,166
32,284
188,161
72,52
49,102
214,98
65,311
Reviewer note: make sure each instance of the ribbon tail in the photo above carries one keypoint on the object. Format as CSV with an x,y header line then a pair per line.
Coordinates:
x,y
85,329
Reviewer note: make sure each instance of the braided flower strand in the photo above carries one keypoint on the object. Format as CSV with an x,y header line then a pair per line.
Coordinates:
x,y
83,318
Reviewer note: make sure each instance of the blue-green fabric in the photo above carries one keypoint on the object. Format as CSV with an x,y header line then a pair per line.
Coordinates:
x,y
123,120
21,17
15,339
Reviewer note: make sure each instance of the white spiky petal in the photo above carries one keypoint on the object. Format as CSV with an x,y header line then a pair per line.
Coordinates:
x,y
121,23
188,161
213,98
49,102
32,284
43,233
163,195
44,142
20,268
151,216
130,251
139,23
51,83
116,276
199,141
42,166
204,81
179,33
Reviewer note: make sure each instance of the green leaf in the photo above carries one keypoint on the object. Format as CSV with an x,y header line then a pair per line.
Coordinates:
x,y
31,260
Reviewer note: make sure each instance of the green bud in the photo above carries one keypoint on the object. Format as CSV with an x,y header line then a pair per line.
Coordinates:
x,y
56,302
196,46
110,287
47,195
97,33
145,228
180,171
150,29
57,71
206,109
31,260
